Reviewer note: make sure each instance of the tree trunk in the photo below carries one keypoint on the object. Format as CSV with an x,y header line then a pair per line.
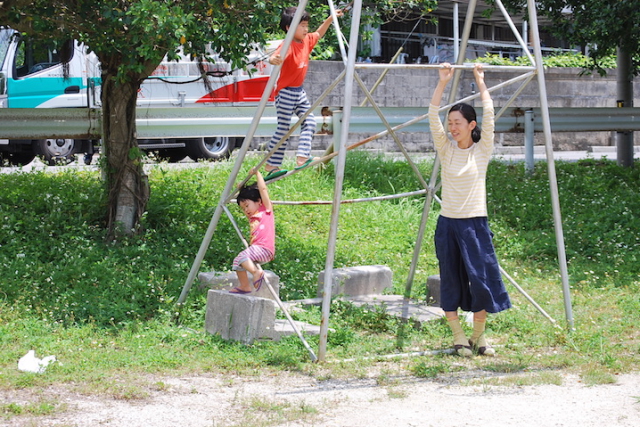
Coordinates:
x,y
127,184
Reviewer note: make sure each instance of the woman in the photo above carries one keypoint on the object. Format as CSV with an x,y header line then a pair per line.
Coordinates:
x,y
469,272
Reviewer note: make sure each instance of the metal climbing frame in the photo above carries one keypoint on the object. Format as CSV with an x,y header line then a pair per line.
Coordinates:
x,y
350,77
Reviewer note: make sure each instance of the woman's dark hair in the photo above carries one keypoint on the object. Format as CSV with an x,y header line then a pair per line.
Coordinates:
x,y
249,192
469,114
287,17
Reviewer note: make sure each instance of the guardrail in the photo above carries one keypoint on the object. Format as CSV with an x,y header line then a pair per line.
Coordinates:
x,y
85,123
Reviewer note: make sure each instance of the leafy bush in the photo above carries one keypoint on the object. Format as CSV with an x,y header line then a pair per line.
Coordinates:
x,y
559,59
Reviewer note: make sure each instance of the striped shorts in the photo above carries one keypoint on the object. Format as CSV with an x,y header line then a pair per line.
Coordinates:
x,y
254,253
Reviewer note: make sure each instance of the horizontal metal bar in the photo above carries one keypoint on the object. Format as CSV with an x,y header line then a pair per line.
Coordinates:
x,y
161,144
44,123
469,66
203,122
84,123
590,119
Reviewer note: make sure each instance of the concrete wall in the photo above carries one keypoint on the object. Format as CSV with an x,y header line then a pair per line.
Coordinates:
x,y
413,88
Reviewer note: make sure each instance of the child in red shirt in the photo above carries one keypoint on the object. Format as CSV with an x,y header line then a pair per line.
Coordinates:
x,y
290,95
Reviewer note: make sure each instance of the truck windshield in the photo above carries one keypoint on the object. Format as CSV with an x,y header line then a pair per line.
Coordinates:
x,y
5,38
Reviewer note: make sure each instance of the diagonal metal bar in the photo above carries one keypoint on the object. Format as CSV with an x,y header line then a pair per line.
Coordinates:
x,y
553,181
383,119
516,33
337,192
238,164
315,105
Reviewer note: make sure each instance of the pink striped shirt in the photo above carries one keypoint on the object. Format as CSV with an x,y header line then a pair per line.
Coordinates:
x,y
263,229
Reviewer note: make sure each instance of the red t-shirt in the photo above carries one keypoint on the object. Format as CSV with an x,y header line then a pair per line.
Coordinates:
x,y
295,65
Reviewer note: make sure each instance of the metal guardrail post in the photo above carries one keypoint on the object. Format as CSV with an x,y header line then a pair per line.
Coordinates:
x,y
337,129
528,141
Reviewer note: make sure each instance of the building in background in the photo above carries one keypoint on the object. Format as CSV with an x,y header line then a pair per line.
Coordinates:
x,y
428,42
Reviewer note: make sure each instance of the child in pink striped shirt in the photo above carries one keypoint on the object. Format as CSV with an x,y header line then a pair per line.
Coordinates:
x,y
255,203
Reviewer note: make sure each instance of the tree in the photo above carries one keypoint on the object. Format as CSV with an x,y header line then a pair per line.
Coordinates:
x,y
130,38
607,27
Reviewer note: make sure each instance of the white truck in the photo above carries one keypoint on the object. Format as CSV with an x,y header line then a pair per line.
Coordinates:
x,y
32,76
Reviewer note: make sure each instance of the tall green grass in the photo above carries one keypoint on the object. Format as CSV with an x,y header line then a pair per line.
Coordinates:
x,y
106,309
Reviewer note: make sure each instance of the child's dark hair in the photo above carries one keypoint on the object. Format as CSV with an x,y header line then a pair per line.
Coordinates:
x,y
249,192
287,17
469,113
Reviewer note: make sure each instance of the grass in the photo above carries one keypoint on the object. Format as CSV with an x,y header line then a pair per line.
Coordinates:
x,y
106,310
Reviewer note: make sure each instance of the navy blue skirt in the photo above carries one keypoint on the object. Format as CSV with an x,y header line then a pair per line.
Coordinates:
x,y
470,276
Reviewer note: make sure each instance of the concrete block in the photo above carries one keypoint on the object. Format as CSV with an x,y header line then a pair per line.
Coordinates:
x,y
241,318
433,290
396,305
283,328
226,281
362,280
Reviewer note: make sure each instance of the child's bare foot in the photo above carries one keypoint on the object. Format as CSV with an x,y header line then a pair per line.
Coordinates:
x,y
303,162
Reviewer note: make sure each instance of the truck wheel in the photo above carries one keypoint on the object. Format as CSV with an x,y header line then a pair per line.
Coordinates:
x,y
214,148
57,151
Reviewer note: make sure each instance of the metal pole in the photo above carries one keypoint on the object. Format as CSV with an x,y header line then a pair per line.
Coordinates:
x,y
526,295
332,148
301,119
235,226
414,262
553,182
348,201
275,295
433,187
336,25
384,121
516,33
373,65
466,31
514,95
468,22
456,30
525,37
528,141
383,75
337,192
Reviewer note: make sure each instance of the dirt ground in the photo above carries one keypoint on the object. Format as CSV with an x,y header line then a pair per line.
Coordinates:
x,y
297,400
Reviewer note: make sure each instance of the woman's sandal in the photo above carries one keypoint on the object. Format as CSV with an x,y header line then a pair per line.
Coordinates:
x,y
239,291
463,350
484,350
